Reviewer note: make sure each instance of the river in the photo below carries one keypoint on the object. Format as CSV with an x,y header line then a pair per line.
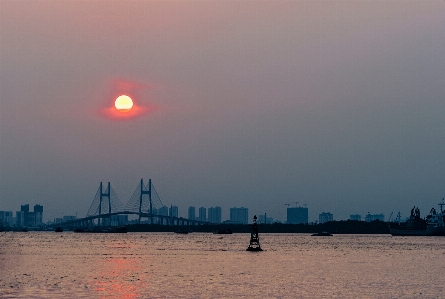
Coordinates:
x,y
203,265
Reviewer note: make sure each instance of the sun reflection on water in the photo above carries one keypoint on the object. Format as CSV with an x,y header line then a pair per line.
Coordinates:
x,y
120,277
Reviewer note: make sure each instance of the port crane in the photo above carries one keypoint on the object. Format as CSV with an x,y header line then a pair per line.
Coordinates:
x,y
398,217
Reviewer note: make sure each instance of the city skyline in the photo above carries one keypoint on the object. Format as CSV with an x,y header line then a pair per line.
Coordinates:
x,y
295,215
335,104
200,213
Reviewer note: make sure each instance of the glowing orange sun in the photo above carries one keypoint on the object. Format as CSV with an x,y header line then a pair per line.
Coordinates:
x,y
123,103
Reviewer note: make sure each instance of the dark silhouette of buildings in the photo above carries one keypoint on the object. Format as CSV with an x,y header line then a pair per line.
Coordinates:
x,y
297,215
25,218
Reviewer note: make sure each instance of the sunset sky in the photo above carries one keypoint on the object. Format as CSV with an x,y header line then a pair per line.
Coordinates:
x,y
339,105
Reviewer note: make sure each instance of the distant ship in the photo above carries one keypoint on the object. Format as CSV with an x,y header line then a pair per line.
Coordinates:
x,y
432,225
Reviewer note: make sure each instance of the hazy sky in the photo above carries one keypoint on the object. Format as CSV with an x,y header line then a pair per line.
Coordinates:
x,y
339,105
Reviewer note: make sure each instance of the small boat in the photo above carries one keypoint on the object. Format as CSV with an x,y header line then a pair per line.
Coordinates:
x,y
58,230
181,231
322,234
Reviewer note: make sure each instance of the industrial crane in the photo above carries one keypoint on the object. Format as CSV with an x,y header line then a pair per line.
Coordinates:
x,y
398,217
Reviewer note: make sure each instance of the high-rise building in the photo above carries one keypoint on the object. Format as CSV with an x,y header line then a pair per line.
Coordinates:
x,y
297,215
6,218
163,211
27,218
30,219
192,213
38,208
173,211
20,218
355,217
325,217
240,215
202,214
214,215
38,215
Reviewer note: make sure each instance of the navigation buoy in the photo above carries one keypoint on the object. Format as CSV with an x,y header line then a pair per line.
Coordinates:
x,y
254,239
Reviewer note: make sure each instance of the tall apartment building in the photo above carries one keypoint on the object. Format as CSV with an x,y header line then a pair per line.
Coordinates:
x,y
173,212
6,218
240,215
297,215
192,213
24,208
27,218
30,219
38,215
214,215
355,217
202,214
325,217
20,218
163,211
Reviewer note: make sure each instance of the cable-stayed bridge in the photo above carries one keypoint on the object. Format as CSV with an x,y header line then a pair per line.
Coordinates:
x,y
144,203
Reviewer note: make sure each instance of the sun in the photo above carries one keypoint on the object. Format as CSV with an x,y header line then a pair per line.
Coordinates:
x,y
123,103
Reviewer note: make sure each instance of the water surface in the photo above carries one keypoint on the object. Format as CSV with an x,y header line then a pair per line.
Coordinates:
x,y
202,265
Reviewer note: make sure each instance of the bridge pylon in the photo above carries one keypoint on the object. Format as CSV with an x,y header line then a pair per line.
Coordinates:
x,y
104,203
145,202
102,195
148,192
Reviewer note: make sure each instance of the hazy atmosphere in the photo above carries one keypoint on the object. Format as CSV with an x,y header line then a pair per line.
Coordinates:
x,y
339,105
